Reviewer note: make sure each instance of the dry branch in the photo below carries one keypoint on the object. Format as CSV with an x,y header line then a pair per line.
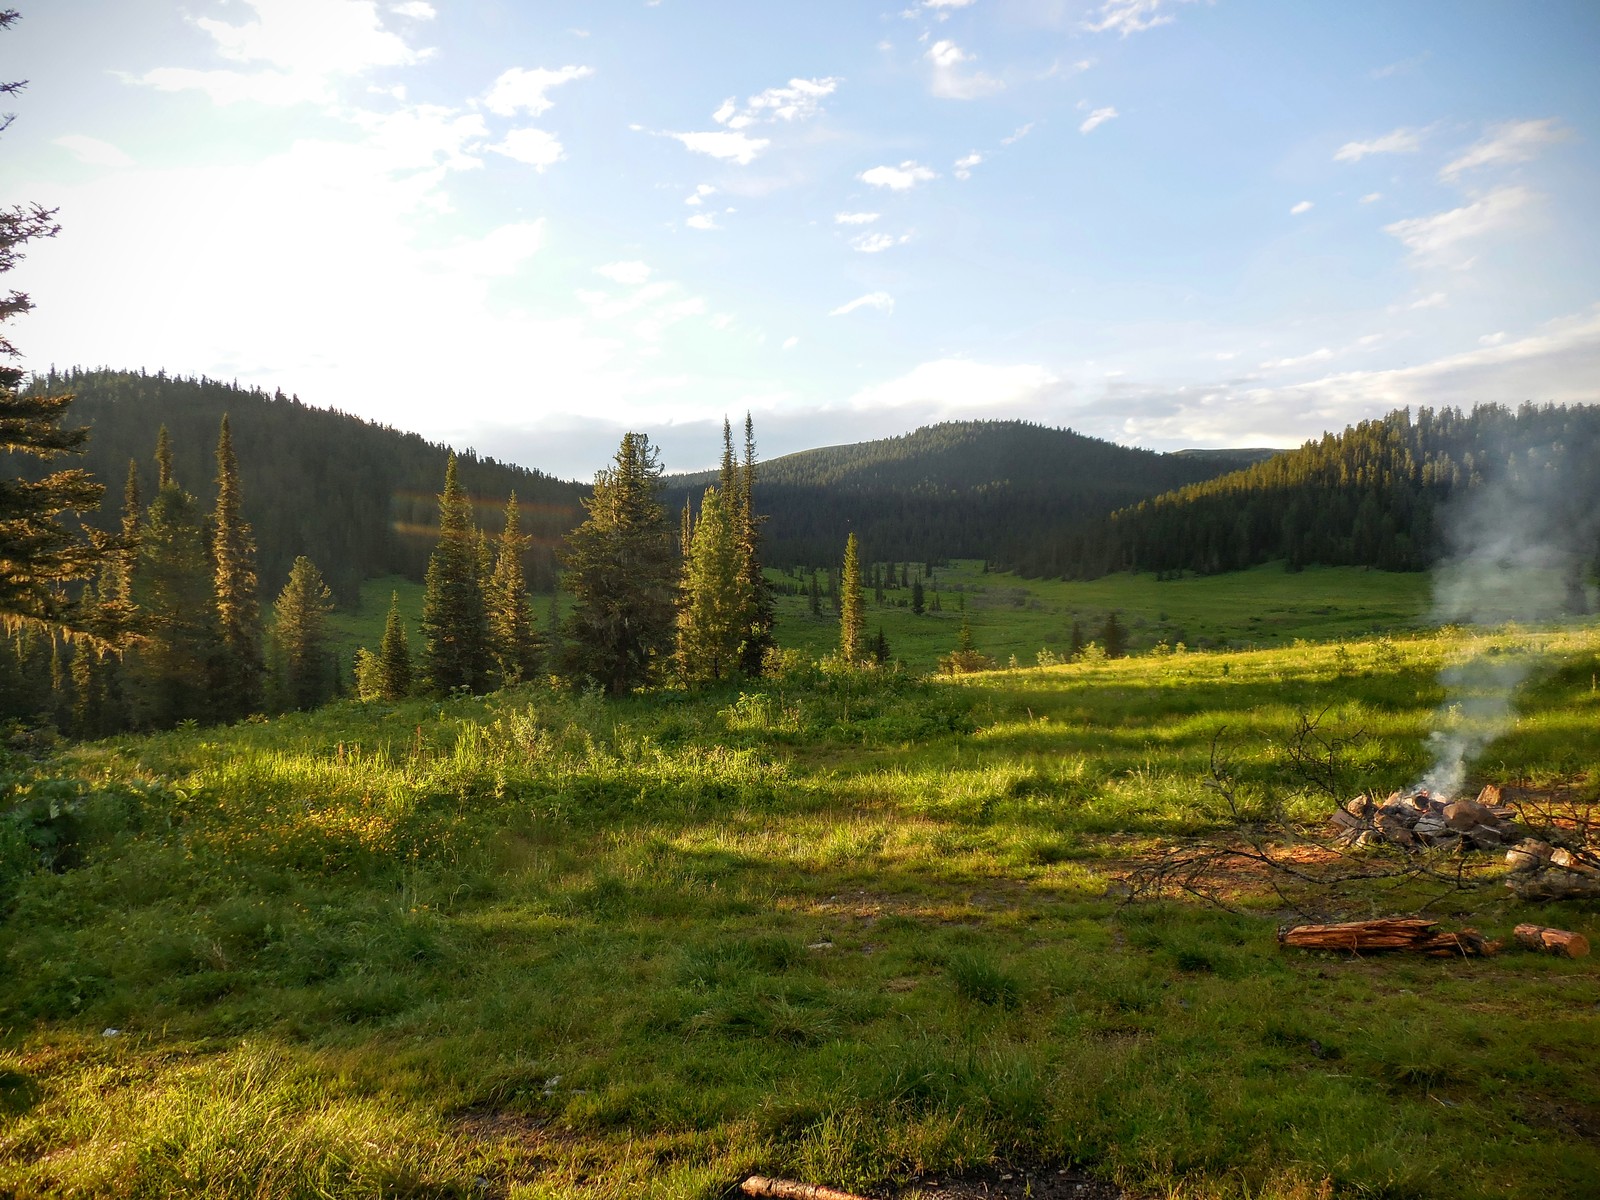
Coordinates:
x,y
788,1189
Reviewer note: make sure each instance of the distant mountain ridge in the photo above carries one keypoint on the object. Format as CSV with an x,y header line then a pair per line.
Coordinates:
x,y
959,489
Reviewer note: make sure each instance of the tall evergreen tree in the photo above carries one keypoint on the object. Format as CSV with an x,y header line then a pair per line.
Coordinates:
x,y
919,602
852,609
239,668
300,632
455,626
1114,637
712,614
173,591
37,552
622,574
760,609
394,655
513,644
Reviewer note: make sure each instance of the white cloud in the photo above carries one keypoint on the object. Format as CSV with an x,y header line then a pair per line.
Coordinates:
x,y
948,80
417,10
881,301
233,87
1431,300
1022,132
1510,142
790,343
1097,118
723,144
855,218
952,385
1371,198
703,221
1443,238
500,252
1304,206
535,147
1400,141
963,166
898,179
799,100
1128,16
876,243
945,3
523,91
629,274
698,196
1276,364
93,151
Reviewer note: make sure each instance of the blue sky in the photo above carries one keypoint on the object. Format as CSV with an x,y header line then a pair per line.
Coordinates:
x,y
526,227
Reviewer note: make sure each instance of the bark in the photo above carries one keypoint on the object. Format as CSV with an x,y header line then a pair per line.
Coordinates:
x,y
1561,942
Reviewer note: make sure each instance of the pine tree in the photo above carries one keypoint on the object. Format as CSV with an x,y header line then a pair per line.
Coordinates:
x,y
919,604
455,627
760,609
711,611
1114,637
300,632
621,572
880,648
394,655
173,592
239,667
37,552
512,642
814,593
852,611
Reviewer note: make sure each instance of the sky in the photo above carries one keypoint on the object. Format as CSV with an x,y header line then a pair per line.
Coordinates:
x,y
525,226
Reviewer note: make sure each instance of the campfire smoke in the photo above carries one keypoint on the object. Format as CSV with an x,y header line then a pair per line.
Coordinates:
x,y
1517,551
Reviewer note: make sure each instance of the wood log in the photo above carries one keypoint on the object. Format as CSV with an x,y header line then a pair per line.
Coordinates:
x,y
1556,884
1415,934
788,1189
1561,942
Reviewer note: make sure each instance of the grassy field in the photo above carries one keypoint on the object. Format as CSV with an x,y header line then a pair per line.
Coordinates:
x,y
862,930
1009,615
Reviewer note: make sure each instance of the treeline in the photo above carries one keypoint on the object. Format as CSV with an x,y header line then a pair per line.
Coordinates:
x,y
356,497
1384,493
961,489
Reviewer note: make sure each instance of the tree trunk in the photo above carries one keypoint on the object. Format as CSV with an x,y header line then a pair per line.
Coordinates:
x,y
1416,934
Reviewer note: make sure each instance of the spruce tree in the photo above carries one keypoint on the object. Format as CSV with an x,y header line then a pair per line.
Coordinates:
x,y
394,655
512,642
760,609
711,611
852,610
919,603
300,632
37,552
455,627
621,571
239,667
1114,637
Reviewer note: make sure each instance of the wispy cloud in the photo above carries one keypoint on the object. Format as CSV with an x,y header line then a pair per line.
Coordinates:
x,y
723,144
1097,118
93,151
1443,238
417,10
963,166
880,301
898,179
1304,206
1399,141
799,100
524,91
950,81
629,274
698,196
876,243
536,147
855,218
1509,142
1371,198
1022,132
1128,16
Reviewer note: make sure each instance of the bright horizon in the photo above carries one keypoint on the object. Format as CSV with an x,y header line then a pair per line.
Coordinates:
x,y
525,229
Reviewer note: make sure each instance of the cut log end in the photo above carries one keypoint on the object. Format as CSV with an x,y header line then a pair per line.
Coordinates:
x,y
1561,942
788,1189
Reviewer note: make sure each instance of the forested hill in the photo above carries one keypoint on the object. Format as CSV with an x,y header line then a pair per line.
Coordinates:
x,y
1379,494
357,498
962,489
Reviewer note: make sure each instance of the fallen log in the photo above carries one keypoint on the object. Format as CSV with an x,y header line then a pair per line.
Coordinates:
x,y
1418,935
1561,942
1556,884
788,1189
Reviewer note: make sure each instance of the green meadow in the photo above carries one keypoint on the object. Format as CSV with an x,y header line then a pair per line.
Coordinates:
x,y
860,929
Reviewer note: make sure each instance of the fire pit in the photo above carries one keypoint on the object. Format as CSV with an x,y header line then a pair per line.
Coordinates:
x,y
1418,819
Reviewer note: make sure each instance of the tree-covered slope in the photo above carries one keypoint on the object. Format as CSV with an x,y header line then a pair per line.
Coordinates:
x,y
962,489
357,498
1388,493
